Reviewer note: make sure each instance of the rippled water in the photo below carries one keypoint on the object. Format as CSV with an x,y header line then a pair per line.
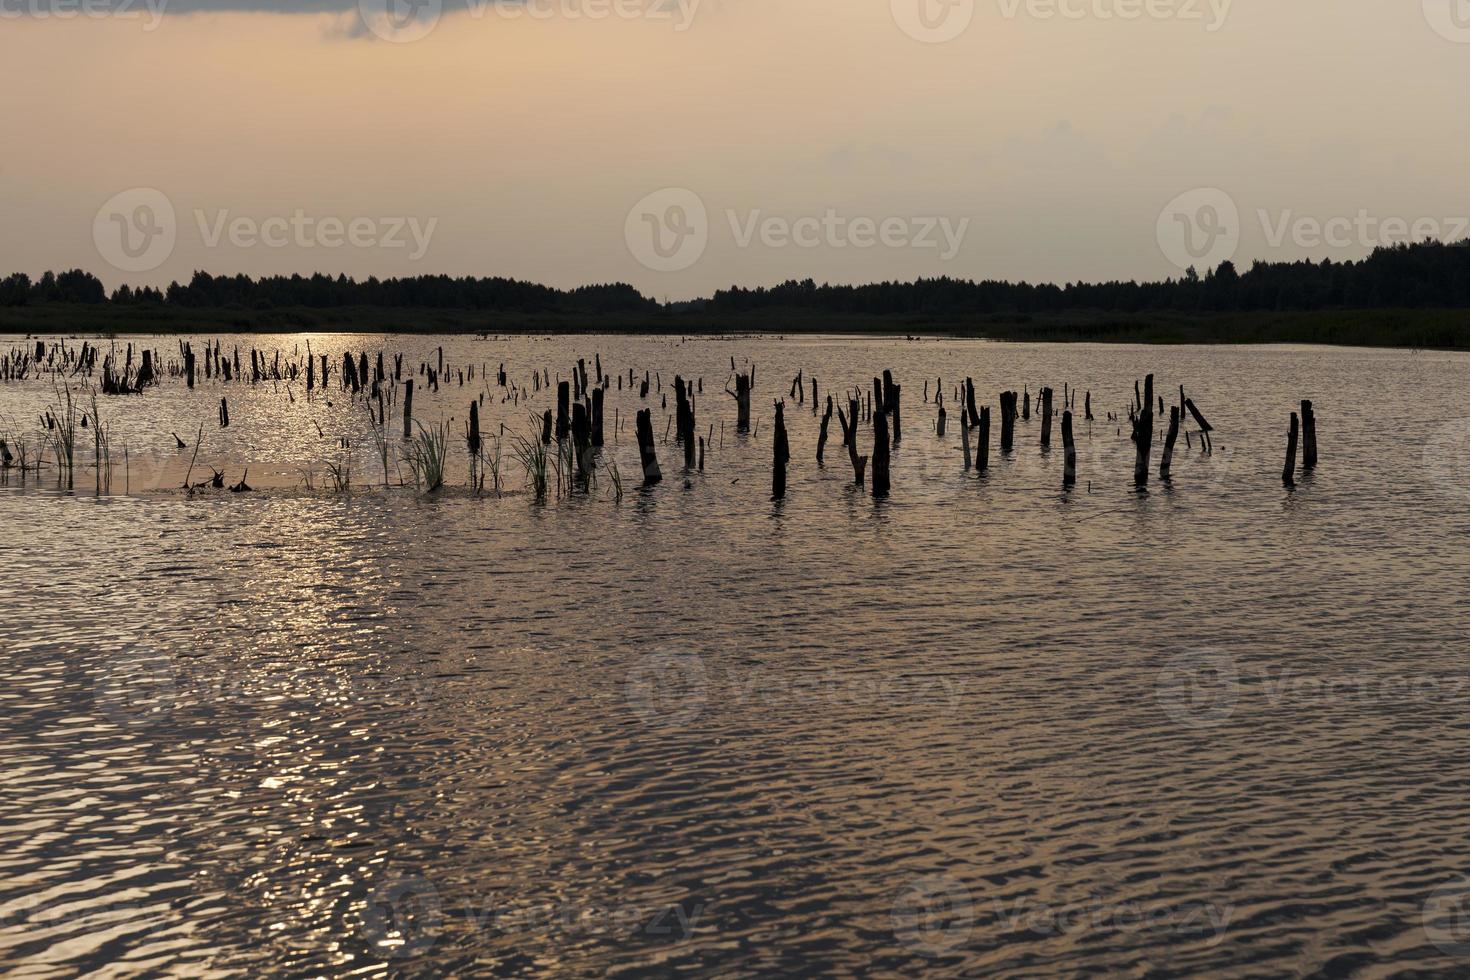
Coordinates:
x,y
983,727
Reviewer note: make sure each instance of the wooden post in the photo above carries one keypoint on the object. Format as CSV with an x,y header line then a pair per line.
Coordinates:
x,y
826,420
1168,461
982,461
597,433
880,453
973,416
1309,437
939,422
581,429
781,454
1045,418
1143,434
407,402
563,409
1069,451
742,402
646,451
546,427
1007,420
891,396
849,438
1290,469
964,439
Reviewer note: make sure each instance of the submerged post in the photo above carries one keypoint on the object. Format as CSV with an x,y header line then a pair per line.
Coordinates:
x,y
1309,437
880,453
781,455
407,406
1169,440
646,451
1045,418
982,458
1287,474
1069,451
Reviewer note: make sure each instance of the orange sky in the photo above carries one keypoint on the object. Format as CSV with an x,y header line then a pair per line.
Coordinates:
x,y
526,141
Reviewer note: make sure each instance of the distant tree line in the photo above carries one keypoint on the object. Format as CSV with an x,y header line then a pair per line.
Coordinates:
x,y
1428,274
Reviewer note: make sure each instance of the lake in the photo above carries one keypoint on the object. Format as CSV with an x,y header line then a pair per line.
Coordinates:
x,y
984,726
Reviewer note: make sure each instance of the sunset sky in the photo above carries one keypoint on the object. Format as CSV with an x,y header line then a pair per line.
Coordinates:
x,y
1047,146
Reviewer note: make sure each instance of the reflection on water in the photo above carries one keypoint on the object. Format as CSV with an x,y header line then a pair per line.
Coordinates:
x,y
984,726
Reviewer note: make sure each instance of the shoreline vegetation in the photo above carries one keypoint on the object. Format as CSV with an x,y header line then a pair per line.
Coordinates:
x,y
1415,296
1402,328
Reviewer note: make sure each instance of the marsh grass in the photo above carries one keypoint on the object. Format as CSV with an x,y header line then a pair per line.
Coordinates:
x,y
532,455
62,433
614,478
380,440
426,454
102,450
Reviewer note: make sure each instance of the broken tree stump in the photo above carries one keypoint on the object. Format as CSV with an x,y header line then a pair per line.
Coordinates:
x,y
646,451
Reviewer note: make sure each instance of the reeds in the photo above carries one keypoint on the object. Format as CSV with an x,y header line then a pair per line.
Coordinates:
x,y
426,454
61,430
380,438
102,450
533,457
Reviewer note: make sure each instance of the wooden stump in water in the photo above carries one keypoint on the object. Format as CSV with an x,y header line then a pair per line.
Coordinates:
x,y
546,427
891,396
964,440
646,450
940,420
826,421
1046,418
1069,452
563,410
971,416
1143,434
742,402
407,403
224,414
1007,420
1168,461
880,454
849,424
581,431
1288,473
781,455
597,427
982,457
1309,437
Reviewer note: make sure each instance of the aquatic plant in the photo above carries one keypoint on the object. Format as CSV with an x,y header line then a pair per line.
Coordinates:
x,y
426,454
532,455
615,478
380,437
61,429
